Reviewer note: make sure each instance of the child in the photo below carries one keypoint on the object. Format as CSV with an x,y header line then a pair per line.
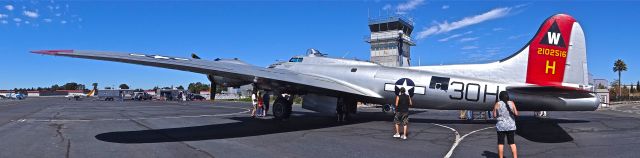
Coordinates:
x,y
260,107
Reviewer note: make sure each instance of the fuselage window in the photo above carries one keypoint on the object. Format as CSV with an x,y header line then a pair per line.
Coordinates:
x,y
354,69
295,60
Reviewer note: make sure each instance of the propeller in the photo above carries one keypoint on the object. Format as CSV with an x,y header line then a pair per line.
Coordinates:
x,y
212,85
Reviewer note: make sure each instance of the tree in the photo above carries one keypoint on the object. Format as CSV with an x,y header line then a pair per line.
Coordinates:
x,y
124,86
197,87
71,86
95,86
625,91
180,87
638,87
55,87
619,66
600,86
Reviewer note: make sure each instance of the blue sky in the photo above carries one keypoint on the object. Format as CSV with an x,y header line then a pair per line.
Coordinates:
x,y
261,32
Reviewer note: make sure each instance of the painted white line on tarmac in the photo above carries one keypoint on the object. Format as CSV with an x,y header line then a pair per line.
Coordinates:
x,y
458,137
139,118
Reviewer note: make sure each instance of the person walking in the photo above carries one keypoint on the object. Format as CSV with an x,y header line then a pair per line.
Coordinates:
x,y
505,112
403,102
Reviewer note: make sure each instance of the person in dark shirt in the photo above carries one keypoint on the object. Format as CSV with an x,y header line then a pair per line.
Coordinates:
x,y
403,102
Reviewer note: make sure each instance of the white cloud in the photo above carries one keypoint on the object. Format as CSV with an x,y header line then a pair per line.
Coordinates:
x,y
498,29
454,36
469,39
445,7
469,47
27,22
17,19
9,7
4,22
387,7
47,20
3,16
445,26
30,14
409,5
63,22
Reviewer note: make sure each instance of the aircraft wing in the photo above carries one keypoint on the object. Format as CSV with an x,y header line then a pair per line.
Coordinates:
x,y
251,73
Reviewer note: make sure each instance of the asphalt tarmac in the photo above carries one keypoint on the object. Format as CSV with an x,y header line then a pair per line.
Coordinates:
x,y
56,127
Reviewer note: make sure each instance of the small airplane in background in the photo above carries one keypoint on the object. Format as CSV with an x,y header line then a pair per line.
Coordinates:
x,y
547,74
80,96
17,96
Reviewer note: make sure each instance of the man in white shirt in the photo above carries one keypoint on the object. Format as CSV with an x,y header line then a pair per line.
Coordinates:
x,y
254,103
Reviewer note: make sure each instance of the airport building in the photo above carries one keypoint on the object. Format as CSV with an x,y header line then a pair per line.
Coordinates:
x,y
390,41
603,82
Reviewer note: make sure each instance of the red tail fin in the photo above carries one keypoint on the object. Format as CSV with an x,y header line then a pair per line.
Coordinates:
x,y
548,51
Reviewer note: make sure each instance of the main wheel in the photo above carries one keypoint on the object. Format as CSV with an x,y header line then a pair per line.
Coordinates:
x,y
281,108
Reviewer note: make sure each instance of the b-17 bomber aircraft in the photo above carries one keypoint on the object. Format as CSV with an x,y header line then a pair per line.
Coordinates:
x,y
548,74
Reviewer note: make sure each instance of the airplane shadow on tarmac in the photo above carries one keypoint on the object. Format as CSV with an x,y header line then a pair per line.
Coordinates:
x,y
546,130
245,127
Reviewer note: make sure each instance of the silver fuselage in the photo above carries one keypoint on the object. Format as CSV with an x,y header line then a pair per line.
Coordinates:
x,y
462,92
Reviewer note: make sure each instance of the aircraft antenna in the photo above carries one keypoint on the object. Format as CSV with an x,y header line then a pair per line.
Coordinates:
x,y
345,54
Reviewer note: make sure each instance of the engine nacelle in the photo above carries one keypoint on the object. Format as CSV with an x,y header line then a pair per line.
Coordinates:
x,y
319,103
225,81
228,82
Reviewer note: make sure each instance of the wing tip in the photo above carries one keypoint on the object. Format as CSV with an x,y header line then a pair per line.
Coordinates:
x,y
51,52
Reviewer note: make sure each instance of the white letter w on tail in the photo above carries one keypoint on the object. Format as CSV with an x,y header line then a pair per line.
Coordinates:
x,y
553,37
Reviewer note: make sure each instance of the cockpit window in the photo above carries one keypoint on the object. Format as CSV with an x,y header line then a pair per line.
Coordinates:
x,y
295,60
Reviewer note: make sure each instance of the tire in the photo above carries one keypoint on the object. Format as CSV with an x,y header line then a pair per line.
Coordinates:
x,y
281,108
386,108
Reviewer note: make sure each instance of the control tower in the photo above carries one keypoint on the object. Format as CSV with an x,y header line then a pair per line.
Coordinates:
x,y
390,41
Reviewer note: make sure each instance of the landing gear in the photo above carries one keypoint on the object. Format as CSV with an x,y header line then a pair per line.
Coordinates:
x,y
281,108
344,108
388,108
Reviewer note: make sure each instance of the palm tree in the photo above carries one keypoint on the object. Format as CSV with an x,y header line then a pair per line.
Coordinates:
x,y
95,86
619,66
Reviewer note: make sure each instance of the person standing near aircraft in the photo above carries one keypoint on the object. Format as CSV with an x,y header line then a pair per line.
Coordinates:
x,y
260,105
254,103
265,100
505,112
340,110
403,102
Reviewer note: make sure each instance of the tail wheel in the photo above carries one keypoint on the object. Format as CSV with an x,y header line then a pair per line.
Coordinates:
x,y
281,108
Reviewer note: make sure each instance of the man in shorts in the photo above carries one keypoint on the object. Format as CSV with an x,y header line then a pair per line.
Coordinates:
x,y
403,102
